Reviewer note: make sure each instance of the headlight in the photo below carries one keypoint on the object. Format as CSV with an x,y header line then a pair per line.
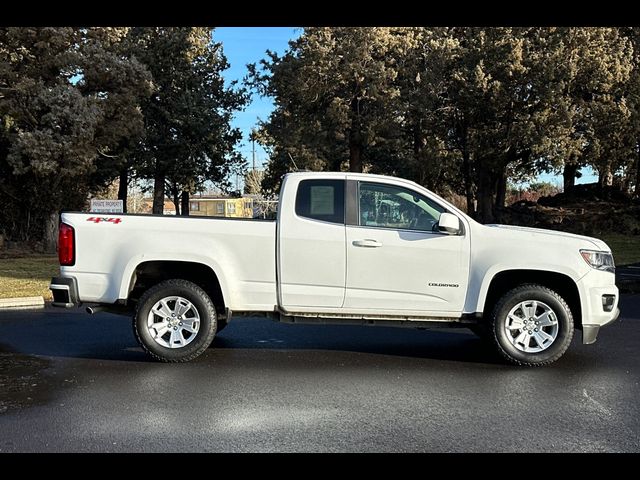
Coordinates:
x,y
599,260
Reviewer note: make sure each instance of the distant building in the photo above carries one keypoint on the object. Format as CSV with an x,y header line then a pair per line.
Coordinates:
x,y
241,207
209,206
147,206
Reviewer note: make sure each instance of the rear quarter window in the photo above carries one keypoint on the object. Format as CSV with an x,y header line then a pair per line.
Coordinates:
x,y
321,200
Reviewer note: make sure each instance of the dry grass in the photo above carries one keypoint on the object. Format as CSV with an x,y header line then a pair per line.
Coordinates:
x,y
625,248
27,276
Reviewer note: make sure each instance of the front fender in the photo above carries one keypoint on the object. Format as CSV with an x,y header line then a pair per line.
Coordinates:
x,y
480,281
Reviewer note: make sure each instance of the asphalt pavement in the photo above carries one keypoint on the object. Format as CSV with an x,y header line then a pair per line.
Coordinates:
x,y
628,273
71,382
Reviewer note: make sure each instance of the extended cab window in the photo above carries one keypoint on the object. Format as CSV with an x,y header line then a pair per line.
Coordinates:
x,y
321,200
390,206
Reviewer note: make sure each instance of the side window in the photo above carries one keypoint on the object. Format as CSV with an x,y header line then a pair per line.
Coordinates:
x,y
321,200
389,206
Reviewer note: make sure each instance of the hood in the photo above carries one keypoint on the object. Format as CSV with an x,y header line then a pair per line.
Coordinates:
x,y
598,244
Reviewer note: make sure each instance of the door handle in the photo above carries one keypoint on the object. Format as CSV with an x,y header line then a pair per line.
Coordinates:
x,y
367,243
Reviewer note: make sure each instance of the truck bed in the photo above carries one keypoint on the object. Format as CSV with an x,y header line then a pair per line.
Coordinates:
x,y
109,248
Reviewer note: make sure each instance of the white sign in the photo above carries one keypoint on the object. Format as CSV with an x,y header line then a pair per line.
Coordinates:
x,y
106,206
321,200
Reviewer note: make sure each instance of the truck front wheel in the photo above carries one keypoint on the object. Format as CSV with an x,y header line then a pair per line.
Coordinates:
x,y
175,321
531,325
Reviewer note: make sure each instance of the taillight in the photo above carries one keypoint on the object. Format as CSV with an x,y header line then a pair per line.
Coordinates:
x,y
66,245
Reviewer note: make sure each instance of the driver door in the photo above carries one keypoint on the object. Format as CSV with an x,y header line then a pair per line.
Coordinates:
x,y
396,258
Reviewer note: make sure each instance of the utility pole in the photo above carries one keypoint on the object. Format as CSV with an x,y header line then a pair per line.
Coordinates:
x,y
253,148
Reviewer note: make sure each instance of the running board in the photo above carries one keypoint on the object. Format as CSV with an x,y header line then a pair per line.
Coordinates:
x,y
390,321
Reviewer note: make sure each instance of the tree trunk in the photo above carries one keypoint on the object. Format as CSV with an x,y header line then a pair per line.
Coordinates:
x,y
355,139
468,184
486,195
637,189
605,177
51,233
355,155
184,198
335,163
501,195
123,187
501,190
158,193
569,176
424,164
176,201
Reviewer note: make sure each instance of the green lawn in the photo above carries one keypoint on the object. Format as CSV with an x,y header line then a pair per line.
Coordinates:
x,y
27,276
625,248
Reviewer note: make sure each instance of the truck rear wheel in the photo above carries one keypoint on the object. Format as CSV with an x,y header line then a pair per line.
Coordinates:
x,y
531,325
175,321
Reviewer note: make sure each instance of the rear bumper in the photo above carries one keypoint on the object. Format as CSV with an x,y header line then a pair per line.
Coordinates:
x,y
65,292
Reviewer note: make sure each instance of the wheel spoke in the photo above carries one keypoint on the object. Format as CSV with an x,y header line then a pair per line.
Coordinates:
x,y
189,326
531,310
516,322
545,319
182,307
540,339
160,329
544,335
176,337
162,309
523,338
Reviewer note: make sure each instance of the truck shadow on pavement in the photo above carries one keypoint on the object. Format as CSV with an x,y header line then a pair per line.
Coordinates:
x,y
77,335
437,344
109,337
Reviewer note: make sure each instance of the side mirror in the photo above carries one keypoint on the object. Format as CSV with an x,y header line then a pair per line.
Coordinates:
x,y
449,223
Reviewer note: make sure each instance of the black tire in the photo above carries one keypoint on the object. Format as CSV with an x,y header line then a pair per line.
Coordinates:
x,y
202,303
499,317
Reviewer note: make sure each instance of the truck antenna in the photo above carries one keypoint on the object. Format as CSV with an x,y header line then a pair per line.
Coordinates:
x,y
294,163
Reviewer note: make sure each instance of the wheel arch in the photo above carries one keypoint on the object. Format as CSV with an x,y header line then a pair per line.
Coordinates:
x,y
145,274
506,280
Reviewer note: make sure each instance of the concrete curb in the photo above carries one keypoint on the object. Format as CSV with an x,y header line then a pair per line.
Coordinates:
x,y
21,303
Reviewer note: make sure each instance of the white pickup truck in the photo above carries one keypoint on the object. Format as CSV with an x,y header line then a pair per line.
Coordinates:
x,y
345,248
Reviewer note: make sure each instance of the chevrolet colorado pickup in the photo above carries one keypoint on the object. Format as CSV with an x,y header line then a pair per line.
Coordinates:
x,y
345,247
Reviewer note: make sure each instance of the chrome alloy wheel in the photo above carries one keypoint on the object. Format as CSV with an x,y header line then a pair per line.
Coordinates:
x,y
173,322
531,326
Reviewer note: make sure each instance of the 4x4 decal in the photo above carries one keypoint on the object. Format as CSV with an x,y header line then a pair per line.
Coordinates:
x,y
104,219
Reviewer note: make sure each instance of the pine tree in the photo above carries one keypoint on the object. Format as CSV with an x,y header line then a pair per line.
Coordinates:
x,y
188,137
